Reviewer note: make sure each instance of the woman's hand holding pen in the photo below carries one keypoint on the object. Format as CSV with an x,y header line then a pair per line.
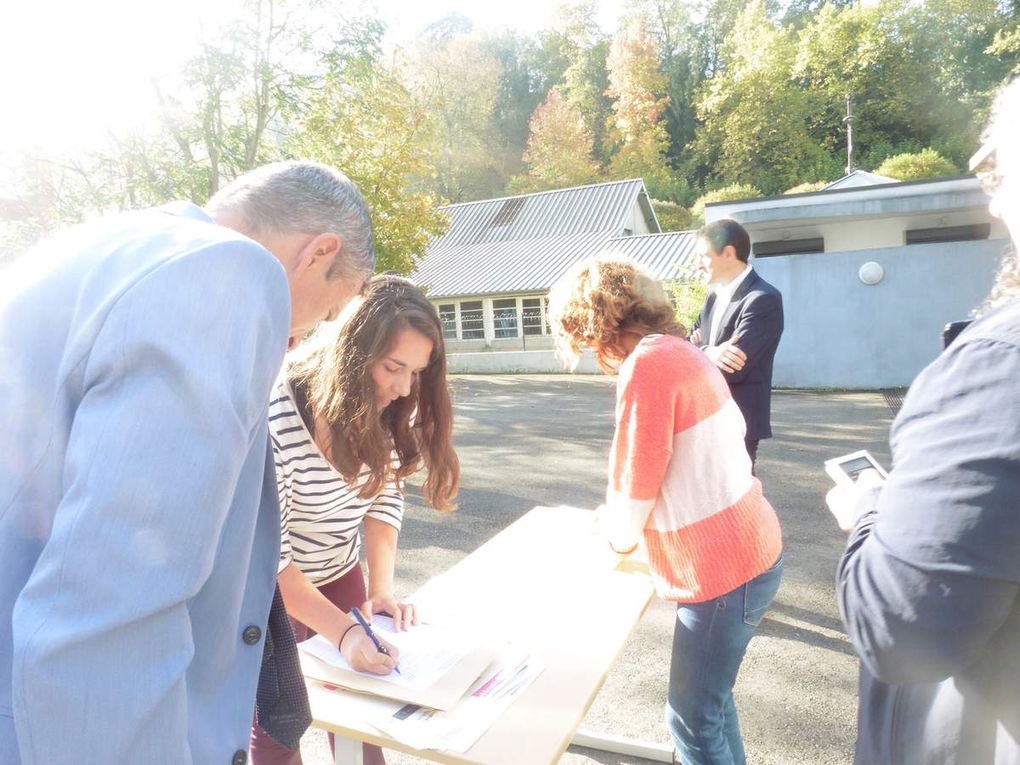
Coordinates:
x,y
404,614
360,652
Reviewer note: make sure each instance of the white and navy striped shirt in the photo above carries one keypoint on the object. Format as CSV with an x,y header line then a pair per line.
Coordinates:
x,y
320,512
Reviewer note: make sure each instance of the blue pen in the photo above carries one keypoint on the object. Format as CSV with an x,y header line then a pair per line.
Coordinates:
x,y
368,631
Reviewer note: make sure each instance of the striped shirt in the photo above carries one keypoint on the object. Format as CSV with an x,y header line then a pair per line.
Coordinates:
x,y
320,512
680,476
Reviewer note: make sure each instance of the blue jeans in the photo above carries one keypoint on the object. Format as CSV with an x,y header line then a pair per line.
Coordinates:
x,y
709,642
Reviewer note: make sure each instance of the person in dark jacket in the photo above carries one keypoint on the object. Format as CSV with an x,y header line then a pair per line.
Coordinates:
x,y
929,585
740,326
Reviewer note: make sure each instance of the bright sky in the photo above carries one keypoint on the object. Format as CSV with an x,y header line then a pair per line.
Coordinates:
x,y
70,70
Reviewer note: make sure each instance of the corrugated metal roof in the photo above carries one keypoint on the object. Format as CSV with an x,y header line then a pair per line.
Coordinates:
x,y
531,265
668,256
539,236
857,179
582,209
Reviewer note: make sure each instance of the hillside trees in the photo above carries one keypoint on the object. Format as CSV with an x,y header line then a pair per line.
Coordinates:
x,y
560,149
692,96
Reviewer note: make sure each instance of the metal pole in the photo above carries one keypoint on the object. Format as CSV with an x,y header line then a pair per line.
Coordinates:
x,y
849,120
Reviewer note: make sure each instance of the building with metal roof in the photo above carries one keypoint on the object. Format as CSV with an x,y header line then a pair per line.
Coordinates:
x,y
489,275
870,271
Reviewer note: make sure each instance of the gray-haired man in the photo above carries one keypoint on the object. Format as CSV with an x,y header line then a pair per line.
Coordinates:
x,y
139,523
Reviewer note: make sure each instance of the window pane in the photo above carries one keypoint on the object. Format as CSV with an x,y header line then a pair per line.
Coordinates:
x,y
448,318
471,326
532,316
504,317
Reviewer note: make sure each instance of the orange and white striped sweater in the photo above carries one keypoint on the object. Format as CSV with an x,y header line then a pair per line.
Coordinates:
x,y
679,475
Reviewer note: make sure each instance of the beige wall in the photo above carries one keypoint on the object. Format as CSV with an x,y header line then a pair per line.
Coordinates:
x,y
872,233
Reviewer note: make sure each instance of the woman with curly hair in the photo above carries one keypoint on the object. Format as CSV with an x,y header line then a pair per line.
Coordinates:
x,y
680,483
363,406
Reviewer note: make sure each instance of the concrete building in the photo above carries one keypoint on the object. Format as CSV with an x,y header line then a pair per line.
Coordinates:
x,y
490,274
870,271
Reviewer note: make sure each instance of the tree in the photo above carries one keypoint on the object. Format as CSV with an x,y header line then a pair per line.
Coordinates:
x,y
363,120
1006,45
681,42
917,73
926,163
44,193
559,152
337,103
459,81
637,133
225,117
584,49
800,12
528,72
754,118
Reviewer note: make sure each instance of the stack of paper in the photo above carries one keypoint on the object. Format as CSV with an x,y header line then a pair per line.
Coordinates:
x,y
437,665
458,729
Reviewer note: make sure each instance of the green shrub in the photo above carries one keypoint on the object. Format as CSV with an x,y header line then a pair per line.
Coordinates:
x,y
724,194
688,298
672,217
804,188
926,163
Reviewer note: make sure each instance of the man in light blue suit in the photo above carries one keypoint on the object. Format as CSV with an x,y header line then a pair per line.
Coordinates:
x,y
139,527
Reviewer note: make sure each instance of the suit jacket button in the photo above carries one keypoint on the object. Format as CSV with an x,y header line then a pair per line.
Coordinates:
x,y
240,757
251,635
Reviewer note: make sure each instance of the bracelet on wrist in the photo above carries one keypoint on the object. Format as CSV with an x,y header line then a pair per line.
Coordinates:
x,y
340,642
623,552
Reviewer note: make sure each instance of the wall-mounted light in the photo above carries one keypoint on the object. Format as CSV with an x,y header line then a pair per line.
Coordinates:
x,y
870,273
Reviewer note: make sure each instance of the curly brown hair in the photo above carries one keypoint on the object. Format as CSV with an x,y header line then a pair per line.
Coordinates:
x,y
599,300
332,373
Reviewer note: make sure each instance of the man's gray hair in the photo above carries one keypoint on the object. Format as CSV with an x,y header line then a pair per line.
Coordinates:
x,y
308,198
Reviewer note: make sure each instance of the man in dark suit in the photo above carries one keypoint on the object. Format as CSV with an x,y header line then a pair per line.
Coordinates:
x,y
740,325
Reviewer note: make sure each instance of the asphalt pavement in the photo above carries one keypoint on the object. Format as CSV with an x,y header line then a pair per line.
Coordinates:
x,y
527,440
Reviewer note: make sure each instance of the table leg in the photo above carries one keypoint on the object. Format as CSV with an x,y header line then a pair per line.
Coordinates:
x,y
605,742
348,751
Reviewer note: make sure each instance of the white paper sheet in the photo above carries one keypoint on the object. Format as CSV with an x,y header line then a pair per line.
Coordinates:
x,y
458,729
427,652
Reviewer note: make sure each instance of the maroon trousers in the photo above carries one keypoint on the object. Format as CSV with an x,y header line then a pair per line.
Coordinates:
x,y
344,593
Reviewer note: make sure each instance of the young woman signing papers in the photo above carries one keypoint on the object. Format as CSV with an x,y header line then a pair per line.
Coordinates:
x,y
358,410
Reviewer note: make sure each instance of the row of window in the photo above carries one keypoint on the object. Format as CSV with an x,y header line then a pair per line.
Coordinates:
x,y
968,233
510,318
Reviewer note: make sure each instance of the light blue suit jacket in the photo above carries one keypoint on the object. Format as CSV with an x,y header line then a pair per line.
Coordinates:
x,y
139,525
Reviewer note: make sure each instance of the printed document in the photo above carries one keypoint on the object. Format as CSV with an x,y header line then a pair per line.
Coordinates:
x,y
457,729
427,652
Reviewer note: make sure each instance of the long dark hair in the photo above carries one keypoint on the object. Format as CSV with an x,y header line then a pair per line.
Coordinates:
x,y
335,375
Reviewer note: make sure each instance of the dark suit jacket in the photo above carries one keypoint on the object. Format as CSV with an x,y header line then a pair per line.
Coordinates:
x,y
755,313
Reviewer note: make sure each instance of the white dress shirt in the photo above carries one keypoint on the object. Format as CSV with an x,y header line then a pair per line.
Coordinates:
x,y
723,296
